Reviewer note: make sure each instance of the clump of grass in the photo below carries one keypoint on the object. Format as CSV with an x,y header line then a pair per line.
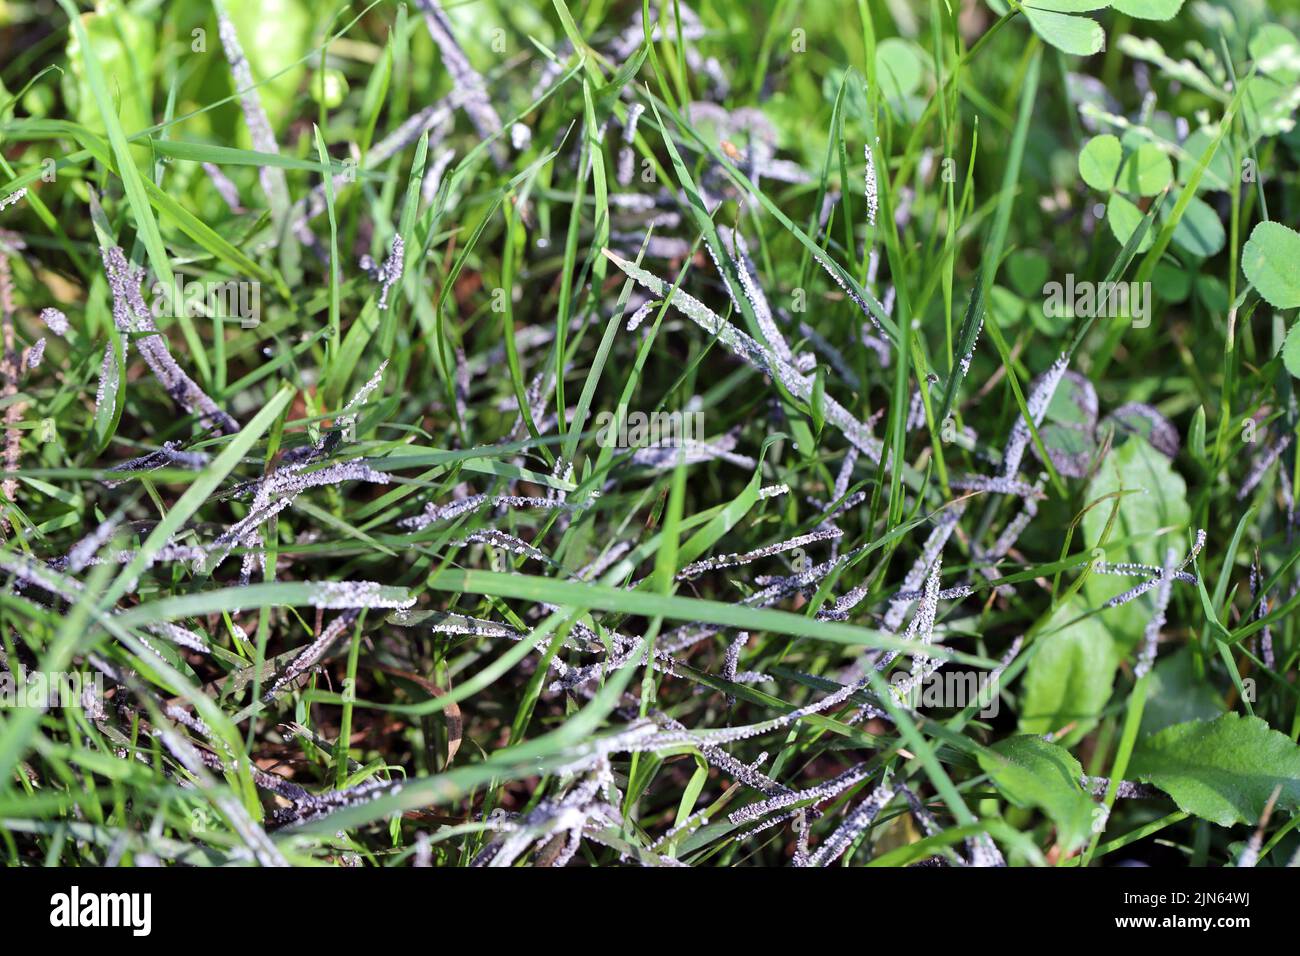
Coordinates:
x,y
466,627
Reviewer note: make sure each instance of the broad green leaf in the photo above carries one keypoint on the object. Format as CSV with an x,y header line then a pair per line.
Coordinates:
x,y
1069,678
1030,772
1171,282
1124,219
1200,231
1071,449
1177,694
1276,52
1269,105
1223,770
1028,270
1271,261
1218,175
1068,6
1007,307
1067,430
1077,35
1291,350
123,44
1146,172
1148,9
1099,161
899,67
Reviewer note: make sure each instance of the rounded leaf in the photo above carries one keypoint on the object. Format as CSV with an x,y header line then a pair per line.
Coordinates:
x,y
1199,231
1148,9
1271,261
899,67
1276,52
1069,34
1147,171
1099,161
1291,351
1218,173
1124,218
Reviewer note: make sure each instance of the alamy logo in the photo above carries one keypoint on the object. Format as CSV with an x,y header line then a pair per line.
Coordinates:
x,y
45,690
134,910
217,300
1103,300
947,688
649,429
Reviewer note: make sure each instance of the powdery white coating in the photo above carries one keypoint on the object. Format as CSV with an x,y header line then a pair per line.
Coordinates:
x,y
13,198
1262,465
930,553
390,273
109,377
739,251
334,595
1040,397
1265,641
733,560
312,654
997,484
169,454
85,550
35,354
873,200
435,512
1126,790
1151,633
625,156
180,636
130,314
226,189
260,133
471,91
692,452
751,351
1158,575
55,321
815,794
1160,433
854,825
278,490
507,542
433,175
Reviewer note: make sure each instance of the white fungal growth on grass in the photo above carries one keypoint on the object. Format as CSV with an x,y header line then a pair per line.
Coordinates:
x,y
735,560
169,454
873,200
625,155
435,512
755,354
55,321
390,273
226,189
854,825
314,652
470,89
131,315
336,595
639,316
260,133
507,542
